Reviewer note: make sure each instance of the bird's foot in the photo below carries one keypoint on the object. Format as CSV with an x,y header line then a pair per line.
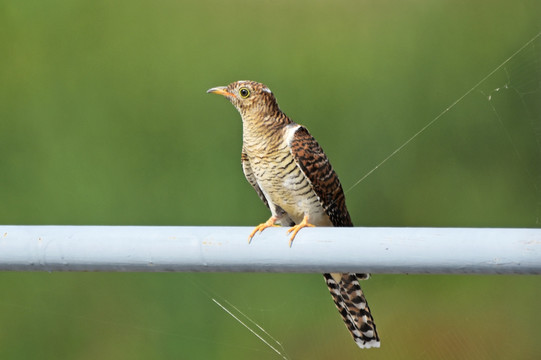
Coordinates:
x,y
259,228
295,229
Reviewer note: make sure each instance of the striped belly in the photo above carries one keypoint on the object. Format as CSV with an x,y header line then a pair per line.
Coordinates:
x,y
285,185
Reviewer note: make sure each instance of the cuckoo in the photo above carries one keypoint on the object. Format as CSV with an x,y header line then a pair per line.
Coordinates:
x,y
293,177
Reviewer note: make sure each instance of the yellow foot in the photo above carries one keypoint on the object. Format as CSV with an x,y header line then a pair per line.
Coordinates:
x,y
295,229
269,223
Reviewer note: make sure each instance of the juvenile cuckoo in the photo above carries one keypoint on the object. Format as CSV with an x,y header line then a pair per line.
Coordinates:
x,y
293,177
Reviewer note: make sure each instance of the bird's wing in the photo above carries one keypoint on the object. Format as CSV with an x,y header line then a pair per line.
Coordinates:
x,y
313,162
249,174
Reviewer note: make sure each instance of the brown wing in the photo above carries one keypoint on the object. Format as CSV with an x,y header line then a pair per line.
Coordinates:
x,y
248,173
310,157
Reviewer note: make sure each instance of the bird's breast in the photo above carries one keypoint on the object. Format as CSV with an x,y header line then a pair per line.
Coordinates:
x,y
284,183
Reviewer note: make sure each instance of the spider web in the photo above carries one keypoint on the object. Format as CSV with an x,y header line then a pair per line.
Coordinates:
x,y
525,87
516,106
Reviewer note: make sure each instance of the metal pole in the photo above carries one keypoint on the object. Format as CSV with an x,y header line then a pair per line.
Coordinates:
x,y
225,249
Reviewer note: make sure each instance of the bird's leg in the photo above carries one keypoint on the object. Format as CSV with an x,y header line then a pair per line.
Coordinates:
x,y
295,229
269,223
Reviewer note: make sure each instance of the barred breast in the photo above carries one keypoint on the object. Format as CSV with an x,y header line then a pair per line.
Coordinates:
x,y
282,181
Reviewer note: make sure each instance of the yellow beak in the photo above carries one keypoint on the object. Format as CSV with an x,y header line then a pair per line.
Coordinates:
x,y
220,90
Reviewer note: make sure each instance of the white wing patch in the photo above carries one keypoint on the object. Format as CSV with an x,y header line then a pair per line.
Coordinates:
x,y
290,132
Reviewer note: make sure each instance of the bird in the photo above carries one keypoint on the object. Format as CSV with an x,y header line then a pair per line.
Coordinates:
x,y
290,172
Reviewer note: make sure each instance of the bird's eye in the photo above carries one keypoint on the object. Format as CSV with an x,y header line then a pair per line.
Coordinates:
x,y
244,93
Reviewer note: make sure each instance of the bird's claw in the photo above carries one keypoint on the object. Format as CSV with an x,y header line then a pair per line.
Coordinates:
x,y
295,229
259,228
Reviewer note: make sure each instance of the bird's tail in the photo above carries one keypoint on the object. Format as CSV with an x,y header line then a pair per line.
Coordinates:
x,y
351,303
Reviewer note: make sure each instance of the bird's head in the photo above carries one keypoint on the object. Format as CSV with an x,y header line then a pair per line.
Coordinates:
x,y
252,99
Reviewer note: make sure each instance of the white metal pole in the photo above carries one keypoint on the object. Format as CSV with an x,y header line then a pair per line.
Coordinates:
x,y
226,249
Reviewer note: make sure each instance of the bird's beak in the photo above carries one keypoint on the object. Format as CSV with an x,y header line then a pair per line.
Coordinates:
x,y
220,90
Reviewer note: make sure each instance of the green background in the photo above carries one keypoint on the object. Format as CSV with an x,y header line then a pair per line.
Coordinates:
x,y
104,120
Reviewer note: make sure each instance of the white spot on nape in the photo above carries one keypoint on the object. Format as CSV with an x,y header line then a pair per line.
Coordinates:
x,y
266,89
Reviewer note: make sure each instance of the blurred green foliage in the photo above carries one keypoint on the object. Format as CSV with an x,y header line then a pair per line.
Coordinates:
x,y
104,120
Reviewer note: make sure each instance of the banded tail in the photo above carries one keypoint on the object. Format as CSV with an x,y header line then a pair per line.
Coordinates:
x,y
351,303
